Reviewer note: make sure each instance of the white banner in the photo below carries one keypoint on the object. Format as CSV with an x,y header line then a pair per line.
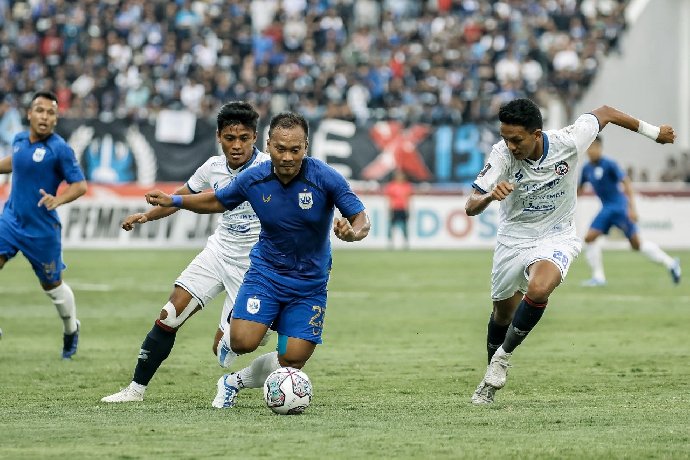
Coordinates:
x,y
436,222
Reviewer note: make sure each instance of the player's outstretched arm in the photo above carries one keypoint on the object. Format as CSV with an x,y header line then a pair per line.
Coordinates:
x,y
201,203
663,134
155,213
353,228
71,193
478,201
6,164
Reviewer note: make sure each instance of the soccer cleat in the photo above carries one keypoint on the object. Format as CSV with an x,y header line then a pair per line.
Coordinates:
x,y
70,342
594,282
484,394
675,271
127,394
226,395
497,371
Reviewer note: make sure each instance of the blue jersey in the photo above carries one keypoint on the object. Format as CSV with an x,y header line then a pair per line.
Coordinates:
x,y
296,219
41,165
605,175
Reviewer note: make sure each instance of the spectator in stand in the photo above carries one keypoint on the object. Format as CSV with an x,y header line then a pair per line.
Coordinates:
x,y
672,172
421,55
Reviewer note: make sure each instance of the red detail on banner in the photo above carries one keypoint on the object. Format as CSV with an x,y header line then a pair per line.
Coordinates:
x,y
398,151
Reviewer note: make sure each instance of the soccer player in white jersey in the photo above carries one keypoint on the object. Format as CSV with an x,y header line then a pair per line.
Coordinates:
x,y
221,265
532,173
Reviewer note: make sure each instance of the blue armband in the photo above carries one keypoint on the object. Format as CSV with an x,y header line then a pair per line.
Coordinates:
x,y
176,200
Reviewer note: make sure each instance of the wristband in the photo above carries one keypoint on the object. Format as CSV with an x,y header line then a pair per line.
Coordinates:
x,y
176,200
648,130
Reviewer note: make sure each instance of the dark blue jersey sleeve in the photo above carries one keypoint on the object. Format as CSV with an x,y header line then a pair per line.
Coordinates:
x,y
71,171
344,198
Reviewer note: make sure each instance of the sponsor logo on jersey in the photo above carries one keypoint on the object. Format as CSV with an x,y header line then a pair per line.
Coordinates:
x,y
305,200
253,305
484,170
38,155
561,168
266,198
239,228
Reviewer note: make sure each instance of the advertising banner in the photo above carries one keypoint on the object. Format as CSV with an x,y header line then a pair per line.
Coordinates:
x,y
437,221
118,152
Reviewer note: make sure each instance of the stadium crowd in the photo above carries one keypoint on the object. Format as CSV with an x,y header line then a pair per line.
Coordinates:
x,y
440,61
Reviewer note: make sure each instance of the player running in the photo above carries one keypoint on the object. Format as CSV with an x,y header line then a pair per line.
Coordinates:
x,y
285,287
41,160
222,263
618,210
532,173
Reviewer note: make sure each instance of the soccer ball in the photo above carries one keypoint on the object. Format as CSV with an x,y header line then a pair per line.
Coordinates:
x,y
287,391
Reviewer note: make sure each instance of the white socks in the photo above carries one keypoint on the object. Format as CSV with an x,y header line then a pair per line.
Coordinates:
x,y
595,260
63,299
254,375
655,254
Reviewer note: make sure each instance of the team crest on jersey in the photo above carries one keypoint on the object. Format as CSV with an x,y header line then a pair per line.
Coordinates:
x,y
561,168
39,153
253,305
305,200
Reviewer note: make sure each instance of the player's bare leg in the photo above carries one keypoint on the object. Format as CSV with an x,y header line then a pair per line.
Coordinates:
x,y
158,344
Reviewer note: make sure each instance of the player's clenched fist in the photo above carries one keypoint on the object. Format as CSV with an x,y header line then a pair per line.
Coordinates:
x,y
138,218
158,198
502,190
343,229
666,135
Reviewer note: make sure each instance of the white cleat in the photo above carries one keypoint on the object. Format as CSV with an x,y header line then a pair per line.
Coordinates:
x,y
484,394
594,282
226,395
497,371
128,394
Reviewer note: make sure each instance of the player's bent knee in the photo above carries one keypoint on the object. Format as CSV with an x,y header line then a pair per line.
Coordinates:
x,y
286,361
170,318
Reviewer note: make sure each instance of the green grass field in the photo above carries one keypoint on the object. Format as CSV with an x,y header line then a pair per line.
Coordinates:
x,y
604,374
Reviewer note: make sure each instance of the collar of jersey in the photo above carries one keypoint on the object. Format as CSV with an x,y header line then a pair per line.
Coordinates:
x,y
255,152
545,151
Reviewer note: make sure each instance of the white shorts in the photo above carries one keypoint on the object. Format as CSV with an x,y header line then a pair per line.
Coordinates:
x,y
509,272
207,276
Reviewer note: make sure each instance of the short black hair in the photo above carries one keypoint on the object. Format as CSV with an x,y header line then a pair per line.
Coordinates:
x,y
521,112
289,120
46,94
237,112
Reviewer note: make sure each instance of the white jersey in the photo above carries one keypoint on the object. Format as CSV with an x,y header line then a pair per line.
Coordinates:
x,y
238,229
543,202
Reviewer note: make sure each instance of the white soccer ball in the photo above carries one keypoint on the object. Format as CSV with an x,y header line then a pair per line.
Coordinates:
x,y
287,391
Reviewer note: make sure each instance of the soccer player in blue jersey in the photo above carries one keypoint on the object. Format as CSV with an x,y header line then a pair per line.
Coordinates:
x,y
614,189
295,197
531,173
41,160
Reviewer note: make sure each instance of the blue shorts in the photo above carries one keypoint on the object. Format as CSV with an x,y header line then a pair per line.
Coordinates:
x,y
262,301
614,217
44,253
